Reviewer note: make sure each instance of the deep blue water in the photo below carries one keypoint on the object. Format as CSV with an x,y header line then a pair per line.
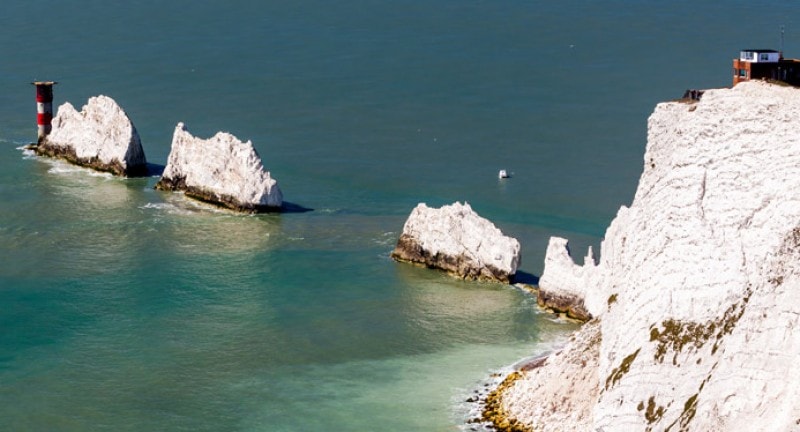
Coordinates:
x,y
124,308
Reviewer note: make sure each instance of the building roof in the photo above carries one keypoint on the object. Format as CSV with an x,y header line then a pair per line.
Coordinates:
x,y
761,50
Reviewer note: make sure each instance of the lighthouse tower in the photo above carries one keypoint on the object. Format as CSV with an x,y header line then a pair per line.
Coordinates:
x,y
44,106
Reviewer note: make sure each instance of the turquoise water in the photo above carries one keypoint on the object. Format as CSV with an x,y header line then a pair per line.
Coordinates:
x,y
124,308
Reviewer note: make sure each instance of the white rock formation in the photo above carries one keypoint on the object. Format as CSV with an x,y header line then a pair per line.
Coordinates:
x,y
222,170
455,239
563,283
697,291
101,136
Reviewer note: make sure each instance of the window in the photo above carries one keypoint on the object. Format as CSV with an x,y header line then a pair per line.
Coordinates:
x,y
743,73
763,57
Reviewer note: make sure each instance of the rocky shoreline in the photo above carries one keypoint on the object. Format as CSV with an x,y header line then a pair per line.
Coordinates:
x,y
490,413
495,414
486,413
552,385
694,300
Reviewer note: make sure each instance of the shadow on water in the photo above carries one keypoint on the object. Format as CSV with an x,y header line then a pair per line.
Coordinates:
x,y
289,207
526,278
155,169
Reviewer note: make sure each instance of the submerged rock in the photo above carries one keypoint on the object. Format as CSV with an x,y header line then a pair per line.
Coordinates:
x,y
455,239
221,170
697,292
100,136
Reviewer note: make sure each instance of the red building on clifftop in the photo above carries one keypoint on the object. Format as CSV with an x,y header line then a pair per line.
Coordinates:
x,y
765,64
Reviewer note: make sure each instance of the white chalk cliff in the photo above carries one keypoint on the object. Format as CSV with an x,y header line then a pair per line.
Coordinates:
x,y
100,136
457,240
222,170
696,297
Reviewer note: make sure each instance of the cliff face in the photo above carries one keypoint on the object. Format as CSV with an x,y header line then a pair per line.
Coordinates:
x,y
222,170
455,239
697,292
100,136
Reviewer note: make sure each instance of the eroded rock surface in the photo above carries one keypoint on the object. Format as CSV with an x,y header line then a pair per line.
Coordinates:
x,y
455,239
697,291
563,283
563,394
100,136
221,170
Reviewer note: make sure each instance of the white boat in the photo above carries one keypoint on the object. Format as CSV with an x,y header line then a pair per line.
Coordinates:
x,y
503,174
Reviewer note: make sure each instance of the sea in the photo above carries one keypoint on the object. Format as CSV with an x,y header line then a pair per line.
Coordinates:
x,y
123,308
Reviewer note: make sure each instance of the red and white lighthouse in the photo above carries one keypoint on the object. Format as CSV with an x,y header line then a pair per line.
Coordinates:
x,y
44,106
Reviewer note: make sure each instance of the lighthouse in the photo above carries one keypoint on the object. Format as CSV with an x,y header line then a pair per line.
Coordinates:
x,y
44,106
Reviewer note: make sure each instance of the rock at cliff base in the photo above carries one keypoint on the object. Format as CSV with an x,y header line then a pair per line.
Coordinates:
x,y
455,239
221,170
563,283
100,136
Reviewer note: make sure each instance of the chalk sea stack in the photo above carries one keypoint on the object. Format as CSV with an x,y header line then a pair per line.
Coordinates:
x,y
221,170
696,297
563,283
455,239
100,136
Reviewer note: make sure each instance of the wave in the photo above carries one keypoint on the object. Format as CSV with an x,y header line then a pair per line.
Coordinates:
x,y
159,206
186,206
386,239
27,153
93,173
167,208
64,169
60,167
